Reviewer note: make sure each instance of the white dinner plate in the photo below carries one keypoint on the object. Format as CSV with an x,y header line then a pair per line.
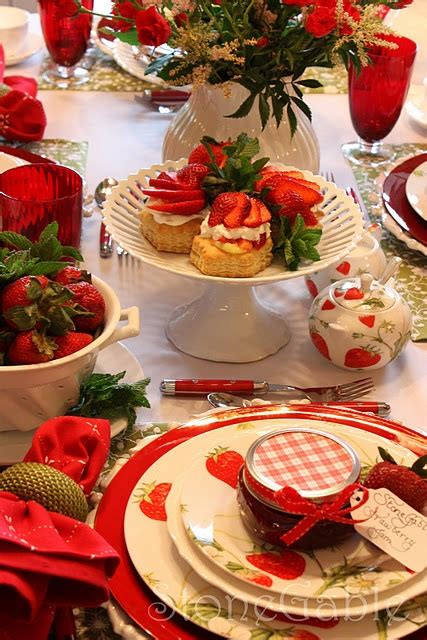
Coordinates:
x,y
113,359
132,60
216,528
416,190
173,580
32,44
9,162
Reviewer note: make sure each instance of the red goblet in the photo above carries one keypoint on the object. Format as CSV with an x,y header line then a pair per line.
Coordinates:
x,y
376,97
33,195
66,34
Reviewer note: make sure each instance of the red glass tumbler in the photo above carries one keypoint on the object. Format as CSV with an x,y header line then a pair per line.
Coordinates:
x,y
66,34
33,195
376,97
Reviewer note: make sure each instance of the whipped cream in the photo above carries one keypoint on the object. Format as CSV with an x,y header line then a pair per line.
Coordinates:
x,y
246,233
176,219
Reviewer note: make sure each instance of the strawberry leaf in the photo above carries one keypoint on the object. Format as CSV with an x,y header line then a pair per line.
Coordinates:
x,y
418,467
386,456
295,242
15,239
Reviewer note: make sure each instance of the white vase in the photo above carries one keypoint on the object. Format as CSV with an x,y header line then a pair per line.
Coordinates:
x,y
205,114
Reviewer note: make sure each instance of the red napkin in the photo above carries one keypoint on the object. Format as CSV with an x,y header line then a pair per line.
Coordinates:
x,y
21,83
22,117
48,560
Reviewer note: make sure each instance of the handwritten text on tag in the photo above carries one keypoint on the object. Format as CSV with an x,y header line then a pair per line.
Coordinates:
x,y
394,527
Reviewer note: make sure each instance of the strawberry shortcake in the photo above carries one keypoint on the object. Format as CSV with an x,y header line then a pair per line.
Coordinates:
x,y
175,207
234,239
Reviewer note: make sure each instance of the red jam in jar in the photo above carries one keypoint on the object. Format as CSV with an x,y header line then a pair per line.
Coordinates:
x,y
318,465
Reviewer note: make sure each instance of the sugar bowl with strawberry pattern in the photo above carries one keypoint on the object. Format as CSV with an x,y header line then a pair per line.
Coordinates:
x,y
366,257
359,323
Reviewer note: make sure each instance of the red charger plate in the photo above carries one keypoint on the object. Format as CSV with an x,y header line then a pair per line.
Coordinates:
x,y
33,158
397,203
131,593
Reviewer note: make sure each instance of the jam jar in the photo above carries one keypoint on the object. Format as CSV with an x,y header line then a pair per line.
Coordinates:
x,y
317,464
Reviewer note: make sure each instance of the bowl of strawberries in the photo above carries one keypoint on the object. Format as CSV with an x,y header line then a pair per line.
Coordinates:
x,y
55,318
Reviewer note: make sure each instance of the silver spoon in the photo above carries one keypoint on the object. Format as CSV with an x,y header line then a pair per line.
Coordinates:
x,y
225,400
101,192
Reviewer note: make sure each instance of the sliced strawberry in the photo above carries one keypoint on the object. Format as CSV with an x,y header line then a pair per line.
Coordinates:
x,y
290,203
244,245
294,174
258,214
200,154
175,196
163,175
258,244
160,183
283,185
265,173
192,175
187,208
230,209
310,219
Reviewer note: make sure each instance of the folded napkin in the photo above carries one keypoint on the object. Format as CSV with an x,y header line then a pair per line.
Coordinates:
x,y
22,116
50,562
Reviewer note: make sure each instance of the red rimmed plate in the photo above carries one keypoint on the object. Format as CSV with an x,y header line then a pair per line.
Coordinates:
x,y
396,202
134,597
33,158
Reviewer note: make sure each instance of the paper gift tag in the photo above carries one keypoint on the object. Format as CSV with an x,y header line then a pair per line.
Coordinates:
x,y
393,526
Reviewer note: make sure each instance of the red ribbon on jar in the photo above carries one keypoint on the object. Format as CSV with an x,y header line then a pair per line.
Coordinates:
x,y
291,501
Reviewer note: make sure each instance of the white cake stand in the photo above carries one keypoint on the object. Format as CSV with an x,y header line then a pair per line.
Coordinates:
x,y
228,322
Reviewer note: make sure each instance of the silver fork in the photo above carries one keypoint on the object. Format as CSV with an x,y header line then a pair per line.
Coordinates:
x,y
328,175
339,392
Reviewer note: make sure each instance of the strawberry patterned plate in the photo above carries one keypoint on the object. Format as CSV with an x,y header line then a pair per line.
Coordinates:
x,y
150,612
211,518
181,588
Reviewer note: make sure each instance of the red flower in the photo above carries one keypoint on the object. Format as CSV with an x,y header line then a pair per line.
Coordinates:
x,y
181,19
321,21
124,9
262,42
153,29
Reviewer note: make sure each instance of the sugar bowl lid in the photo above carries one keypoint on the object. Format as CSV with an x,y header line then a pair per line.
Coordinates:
x,y
317,464
363,293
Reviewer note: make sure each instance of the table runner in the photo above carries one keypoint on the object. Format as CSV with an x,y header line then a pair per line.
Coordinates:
x,y
411,280
106,75
68,152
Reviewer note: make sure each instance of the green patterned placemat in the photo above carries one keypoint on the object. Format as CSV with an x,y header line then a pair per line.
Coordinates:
x,y
71,154
411,280
106,75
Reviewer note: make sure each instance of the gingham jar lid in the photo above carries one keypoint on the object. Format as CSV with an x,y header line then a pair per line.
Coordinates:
x,y
317,464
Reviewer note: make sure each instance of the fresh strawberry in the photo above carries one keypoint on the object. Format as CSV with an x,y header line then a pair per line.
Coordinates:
x,y
310,219
31,347
200,155
90,299
361,357
369,321
244,245
298,175
320,344
153,498
186,208
174,196
70,343
258,244
288,204
229,209
353,294
69,275
258,214
35,302
225,465
265,173
280,184
344,268
192,175
24,292
286,565
160,183
408,484
311,286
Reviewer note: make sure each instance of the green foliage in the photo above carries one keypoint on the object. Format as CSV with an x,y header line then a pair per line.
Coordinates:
x,y
296,241
102,395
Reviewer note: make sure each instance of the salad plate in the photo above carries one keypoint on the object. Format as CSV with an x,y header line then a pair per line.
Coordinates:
x,y
132,60
214,525
7,161
142,604
396,202
113,359
416,190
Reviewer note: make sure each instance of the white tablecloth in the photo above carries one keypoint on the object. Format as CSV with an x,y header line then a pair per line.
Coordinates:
x,y
123,137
